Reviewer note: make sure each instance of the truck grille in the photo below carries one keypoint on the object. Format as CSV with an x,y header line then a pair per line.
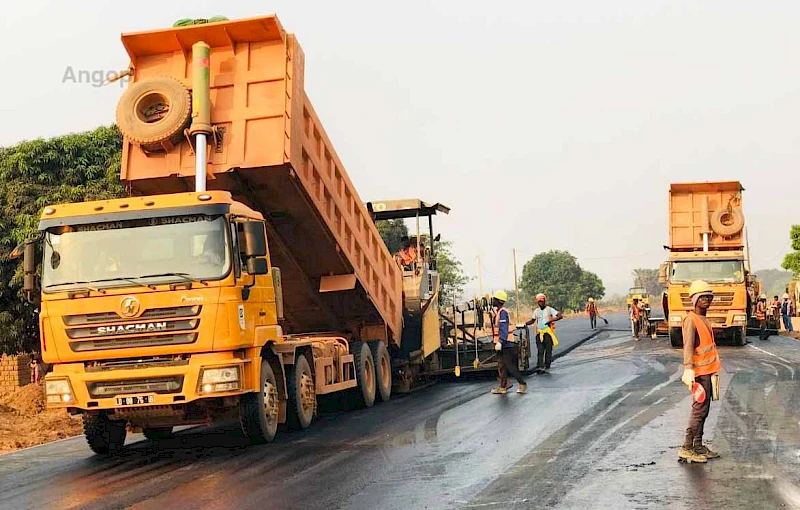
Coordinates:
x,y
138,341
153,327
720,299
106,389
175,312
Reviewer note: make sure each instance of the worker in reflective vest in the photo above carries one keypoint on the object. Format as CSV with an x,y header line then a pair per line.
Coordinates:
x,y
591,309
508,355
701,362
407,255
761,315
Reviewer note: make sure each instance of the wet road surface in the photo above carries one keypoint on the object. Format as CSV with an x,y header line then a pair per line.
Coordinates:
x,y
601,431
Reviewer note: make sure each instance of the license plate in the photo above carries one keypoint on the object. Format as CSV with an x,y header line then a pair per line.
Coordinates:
x,y
133,401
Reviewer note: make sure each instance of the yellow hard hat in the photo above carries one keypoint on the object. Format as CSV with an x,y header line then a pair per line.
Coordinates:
x,y
700,287
501,295
591,300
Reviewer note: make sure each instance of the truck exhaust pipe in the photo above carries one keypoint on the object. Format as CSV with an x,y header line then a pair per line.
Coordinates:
x,y
706,225
201,111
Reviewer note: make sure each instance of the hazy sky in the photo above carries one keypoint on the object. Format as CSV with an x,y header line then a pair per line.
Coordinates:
x,y
544,125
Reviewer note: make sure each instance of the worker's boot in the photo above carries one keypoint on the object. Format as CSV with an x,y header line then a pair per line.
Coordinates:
x,y
706,452
522,388
689,455
499,390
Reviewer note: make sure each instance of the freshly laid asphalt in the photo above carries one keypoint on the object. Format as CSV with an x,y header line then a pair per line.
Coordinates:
x,y
601,431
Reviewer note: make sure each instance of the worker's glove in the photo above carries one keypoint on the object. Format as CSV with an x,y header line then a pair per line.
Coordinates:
x,y
688,377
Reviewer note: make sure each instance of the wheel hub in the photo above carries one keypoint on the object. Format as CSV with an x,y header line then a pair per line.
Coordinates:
x,y
270,401
308,398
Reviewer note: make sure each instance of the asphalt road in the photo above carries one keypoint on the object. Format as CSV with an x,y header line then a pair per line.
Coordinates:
x,y
601,431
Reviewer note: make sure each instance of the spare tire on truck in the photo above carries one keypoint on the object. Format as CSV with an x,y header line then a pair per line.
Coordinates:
x,y
154,112
727,221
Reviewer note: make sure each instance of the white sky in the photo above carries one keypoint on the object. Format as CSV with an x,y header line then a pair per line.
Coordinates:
x,y
544,125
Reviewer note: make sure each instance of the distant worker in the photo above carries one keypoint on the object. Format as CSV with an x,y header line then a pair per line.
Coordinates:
x,y
508,359
635,314
36,369
407,255
700,362
591,309
787,312
761,315
775,310
543,318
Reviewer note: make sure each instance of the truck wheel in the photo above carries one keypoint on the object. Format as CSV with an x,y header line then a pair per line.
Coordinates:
x,y
740,336
302,395
157,433
105,437
154,111
365,372
676,337
258,412
383,369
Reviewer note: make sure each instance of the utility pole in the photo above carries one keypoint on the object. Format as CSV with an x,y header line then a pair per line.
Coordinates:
x,y
480,276
516,286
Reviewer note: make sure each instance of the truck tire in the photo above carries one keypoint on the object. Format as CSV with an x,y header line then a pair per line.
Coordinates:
x,y
302,396
105,437
383,369
740,336
154,112
365,372
676,337
258,412
727,222
157,433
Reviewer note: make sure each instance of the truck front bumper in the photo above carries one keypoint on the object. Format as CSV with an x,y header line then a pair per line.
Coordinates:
x,y
113,386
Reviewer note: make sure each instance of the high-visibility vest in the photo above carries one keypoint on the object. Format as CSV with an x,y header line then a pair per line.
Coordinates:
x,y
408,257
496,331
635,312
761,311
705,358
591,308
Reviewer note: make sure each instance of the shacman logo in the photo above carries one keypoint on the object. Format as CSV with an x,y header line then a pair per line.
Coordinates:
x,y
129,306
132,328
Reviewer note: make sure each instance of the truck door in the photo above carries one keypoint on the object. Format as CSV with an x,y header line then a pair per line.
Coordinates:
x,y
252,310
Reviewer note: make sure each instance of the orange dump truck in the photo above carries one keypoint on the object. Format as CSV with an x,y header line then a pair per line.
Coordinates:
x,y
706,225
243,276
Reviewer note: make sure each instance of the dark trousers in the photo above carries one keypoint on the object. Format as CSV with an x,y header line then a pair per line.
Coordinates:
x,y
762,334
697,418
593,320
544,346
508,364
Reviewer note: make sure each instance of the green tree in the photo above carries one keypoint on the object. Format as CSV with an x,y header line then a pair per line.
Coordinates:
x,y
392,231
558,275
452,278
791,261
647,278
70,168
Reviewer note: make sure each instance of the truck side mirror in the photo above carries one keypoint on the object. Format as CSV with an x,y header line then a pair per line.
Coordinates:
x,y
256,266
663,277
255,240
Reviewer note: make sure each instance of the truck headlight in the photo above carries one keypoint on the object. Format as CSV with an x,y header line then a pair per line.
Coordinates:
x,y
58,391
740,319
215,380
675,319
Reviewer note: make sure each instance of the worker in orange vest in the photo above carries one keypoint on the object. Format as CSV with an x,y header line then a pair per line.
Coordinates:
x,y
634,313
407,255
508,355
761,315
700,362
591,309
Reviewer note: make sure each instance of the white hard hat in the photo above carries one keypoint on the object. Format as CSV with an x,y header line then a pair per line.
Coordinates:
x,y
786,296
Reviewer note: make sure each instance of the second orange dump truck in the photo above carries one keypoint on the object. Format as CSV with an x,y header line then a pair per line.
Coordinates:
x,y
243,277
707,242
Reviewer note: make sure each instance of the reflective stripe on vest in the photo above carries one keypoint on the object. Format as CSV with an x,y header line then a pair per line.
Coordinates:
x,y
496,332
705,358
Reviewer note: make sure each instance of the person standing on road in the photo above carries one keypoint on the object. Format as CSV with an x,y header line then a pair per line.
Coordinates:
x,y
700,362
542,320
591,309
508,357
787,312
635,314
761,315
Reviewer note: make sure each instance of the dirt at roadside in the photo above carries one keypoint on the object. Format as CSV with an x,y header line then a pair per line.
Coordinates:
x,y
25,422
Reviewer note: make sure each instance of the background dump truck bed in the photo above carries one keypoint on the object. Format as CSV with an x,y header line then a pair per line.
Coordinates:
x,y
688,217
274,156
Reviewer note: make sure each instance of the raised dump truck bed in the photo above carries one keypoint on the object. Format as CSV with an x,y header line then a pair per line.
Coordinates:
x,y
270,150
713,208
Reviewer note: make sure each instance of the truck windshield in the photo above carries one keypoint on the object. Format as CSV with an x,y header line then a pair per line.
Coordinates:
x,y
712,271
136,252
